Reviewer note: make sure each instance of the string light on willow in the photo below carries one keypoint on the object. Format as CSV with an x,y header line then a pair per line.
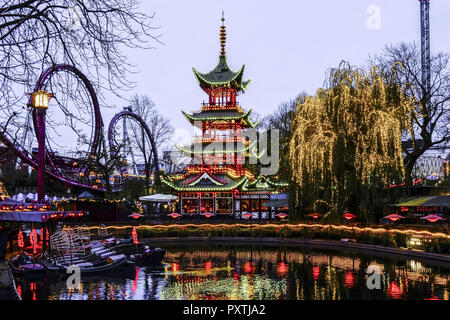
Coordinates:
x,y
350,133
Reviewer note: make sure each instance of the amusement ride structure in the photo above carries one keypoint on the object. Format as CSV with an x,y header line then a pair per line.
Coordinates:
x,y
77,169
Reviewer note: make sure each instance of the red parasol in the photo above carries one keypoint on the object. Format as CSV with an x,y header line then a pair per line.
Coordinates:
x,y
394,217
33,239
281,215
314,215
433,218
349,216
174,215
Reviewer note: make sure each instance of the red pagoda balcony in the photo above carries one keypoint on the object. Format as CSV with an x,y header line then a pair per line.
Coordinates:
x,y
221,107
224,139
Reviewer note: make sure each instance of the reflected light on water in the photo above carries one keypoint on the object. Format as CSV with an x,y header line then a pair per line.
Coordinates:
x,y
316,273
394,290
349,279
222,273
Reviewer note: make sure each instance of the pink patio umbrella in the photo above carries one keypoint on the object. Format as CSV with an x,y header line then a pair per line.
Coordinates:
x,y
349,216
136,215
314,215
433,218
394,217
281,215
174,215
208,214
249,216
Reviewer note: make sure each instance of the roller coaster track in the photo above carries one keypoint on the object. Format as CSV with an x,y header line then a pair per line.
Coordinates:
x,y
51,168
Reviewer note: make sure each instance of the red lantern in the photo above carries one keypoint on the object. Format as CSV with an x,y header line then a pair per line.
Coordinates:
x,y
33,239
20,240
349,279
135,237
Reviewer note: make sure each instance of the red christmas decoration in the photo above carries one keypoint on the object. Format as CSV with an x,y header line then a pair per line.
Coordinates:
x,y
33,239
135,237
20,243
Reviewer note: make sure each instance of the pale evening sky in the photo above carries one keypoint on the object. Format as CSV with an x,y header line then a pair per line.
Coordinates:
x,y
286,46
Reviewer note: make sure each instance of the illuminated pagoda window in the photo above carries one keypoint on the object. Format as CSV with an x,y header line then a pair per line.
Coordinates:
x,y
219,181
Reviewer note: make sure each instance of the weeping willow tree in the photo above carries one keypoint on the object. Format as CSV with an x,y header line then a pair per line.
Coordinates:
x,y
346,143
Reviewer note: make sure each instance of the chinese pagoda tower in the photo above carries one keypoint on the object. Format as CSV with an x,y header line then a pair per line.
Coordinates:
x,y
219,181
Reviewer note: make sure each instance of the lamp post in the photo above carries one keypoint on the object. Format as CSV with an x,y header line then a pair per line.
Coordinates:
x,y
40,103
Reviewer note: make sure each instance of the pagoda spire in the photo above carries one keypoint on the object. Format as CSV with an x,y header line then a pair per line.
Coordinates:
x,y
223,37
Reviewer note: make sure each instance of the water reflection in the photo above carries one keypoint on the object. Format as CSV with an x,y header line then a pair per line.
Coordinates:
x,y
203,273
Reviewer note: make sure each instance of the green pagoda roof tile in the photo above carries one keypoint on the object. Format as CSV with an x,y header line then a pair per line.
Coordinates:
x,y
264,183
182,186
199,149
217,115
220,115
222,75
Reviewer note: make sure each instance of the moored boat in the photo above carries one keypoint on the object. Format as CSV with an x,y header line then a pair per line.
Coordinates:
x,y
97,264
23,264
151,258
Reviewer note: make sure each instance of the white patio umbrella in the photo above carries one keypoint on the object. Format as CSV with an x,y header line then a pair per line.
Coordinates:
x,y
30,196
158,197
20,197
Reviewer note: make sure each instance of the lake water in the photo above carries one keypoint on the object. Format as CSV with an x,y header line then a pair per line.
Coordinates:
x,y
254,273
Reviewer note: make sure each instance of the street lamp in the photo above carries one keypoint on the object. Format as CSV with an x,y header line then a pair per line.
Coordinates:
x,y
40,99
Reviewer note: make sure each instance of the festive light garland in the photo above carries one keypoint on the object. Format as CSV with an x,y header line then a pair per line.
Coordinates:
x,y
356,124
222,117
221,107
240,85
222,226
214,151
209,188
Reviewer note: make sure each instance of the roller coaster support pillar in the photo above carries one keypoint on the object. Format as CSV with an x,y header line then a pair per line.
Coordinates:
x,y
41,153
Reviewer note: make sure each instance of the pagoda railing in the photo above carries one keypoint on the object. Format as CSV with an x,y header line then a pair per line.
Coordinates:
x,y
218,106
224,139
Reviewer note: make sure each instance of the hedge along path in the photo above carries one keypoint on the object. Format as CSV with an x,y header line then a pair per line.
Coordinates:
x,y
292,227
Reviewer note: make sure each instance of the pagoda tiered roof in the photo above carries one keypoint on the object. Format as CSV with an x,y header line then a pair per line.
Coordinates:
x,y
205,182
221,76
219,148
221,115
262,183
223,147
